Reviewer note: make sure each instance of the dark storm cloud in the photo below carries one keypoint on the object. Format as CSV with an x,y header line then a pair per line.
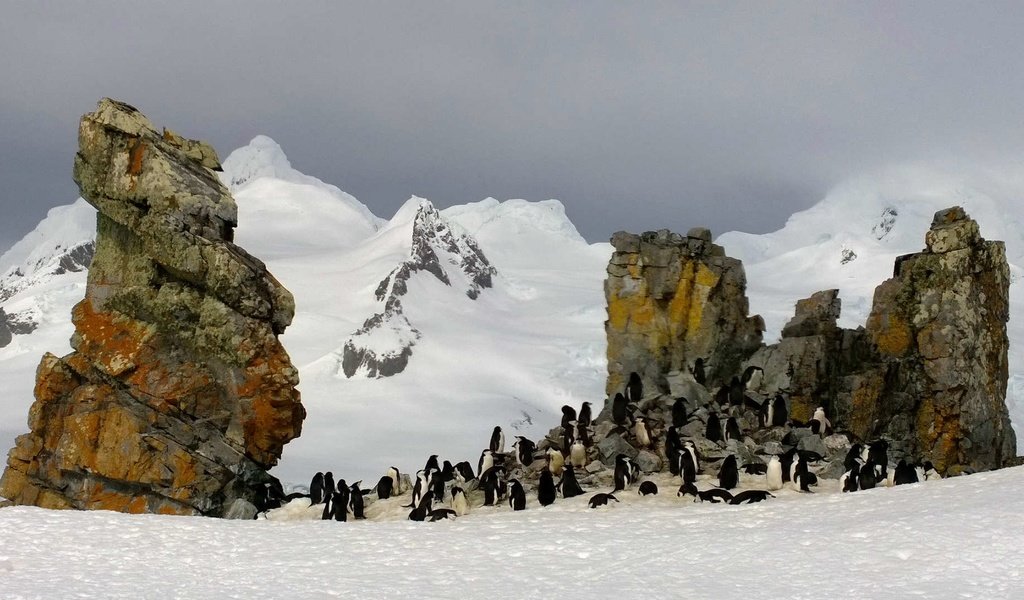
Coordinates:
x,y
636,116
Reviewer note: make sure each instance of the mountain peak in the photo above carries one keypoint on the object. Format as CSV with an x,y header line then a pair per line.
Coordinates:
x,y
261,157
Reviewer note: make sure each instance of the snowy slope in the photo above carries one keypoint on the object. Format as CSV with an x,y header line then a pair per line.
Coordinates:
x,y
955,538
879,218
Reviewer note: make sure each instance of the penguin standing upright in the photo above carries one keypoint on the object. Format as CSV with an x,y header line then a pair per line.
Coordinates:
x,y
355,501
578,454
497,445
583,435
516,495
459,502
622,472
729,474
732,429
620,410
524,450
713,430
340,501
780,414
329,483
673,445
691,453
486,462
736,389
679,416
546,488
328,513
634,389
698,371
568,417
396,478
774,474
642,432
584,419
555,461
568,484
824,424
316,489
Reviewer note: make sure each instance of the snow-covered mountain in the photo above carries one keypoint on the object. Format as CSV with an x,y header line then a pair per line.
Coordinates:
x,y
497,307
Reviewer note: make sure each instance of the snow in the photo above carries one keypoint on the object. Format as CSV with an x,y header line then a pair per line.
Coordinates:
x,y
952,538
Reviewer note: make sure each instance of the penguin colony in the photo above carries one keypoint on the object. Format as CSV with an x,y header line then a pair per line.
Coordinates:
x,y
711,450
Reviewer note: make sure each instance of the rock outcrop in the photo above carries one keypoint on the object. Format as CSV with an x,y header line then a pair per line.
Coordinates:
x,y
383,345
5,330
178,395
671,300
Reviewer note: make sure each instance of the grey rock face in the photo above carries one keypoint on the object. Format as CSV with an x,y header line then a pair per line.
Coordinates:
x,y
5,330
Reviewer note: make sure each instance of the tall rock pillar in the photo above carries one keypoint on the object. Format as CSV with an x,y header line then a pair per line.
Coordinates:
x,y
178,396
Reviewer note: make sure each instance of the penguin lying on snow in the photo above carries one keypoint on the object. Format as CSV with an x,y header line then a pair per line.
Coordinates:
x,y
750,496
714,496
601,500
648,488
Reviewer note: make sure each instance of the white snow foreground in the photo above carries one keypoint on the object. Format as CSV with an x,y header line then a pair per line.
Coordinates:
x,y
957,537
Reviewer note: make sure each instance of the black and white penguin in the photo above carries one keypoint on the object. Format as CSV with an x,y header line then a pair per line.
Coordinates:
x,y
679,412
459,502
329,486
773,475
569,486
568,417
316,489
568,439
516,495
622,472
546,492
432,464
732,429
878,453
442,514
601,499
620,410
786,458
583,435
758,468
690,462
751,377
524,450
853,457
849,481
904,473
714,496
750,496
736,389
866,477
328,513
766,414
356,504
497,445
584,418
578,454
486,462
728,474
672,447
423,509
688,488
722,396
447,471
420,488
648,488
780,414
713,430
794,465
825,426
396,478
634,389
930,472
642,433
340,500
800,476
698,371
384,487
464,472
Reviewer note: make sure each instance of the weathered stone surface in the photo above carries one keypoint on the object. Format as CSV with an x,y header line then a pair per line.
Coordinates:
x,y
5,330
671,300
178,396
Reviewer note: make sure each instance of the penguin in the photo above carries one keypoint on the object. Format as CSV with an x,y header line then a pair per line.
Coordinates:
x,y
568,417
328,513
691,462
578,455
794,465
810,456
620,410
800,475
524,450
546,492
780,414
584,419
766,415
420,488
642,432
583,435
713,430
316,489
442,514
447,472
568,439
437,482
728,474
722,396
516,495
878,453
423,509
622,472
269,495
679,413
355,501
459,502
698,371
568,485
672,447
714,496
904,473
866,479
340,501
848,481
736,389
748,378
384,487
687,488
486,462
750,496
555,461
396,478
464,471
774,474
755,468
497,445
732,430
930,473
853,456
787,463
648,488
686,468
329,483
432,464
601,499
634,389
819,416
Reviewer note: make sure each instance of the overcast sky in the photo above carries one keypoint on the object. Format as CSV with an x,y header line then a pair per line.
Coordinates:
x,y
637,116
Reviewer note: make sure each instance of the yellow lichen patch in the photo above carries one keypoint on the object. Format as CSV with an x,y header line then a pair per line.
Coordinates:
x,y
864,399
891,334
113,342
633,310
801,408
706,277
679,307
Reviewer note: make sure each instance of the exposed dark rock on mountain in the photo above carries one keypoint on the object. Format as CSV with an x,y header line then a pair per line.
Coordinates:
x,y
383,345
178,395
5,330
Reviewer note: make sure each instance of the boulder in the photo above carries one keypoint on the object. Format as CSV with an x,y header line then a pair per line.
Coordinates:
x,y
178,396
